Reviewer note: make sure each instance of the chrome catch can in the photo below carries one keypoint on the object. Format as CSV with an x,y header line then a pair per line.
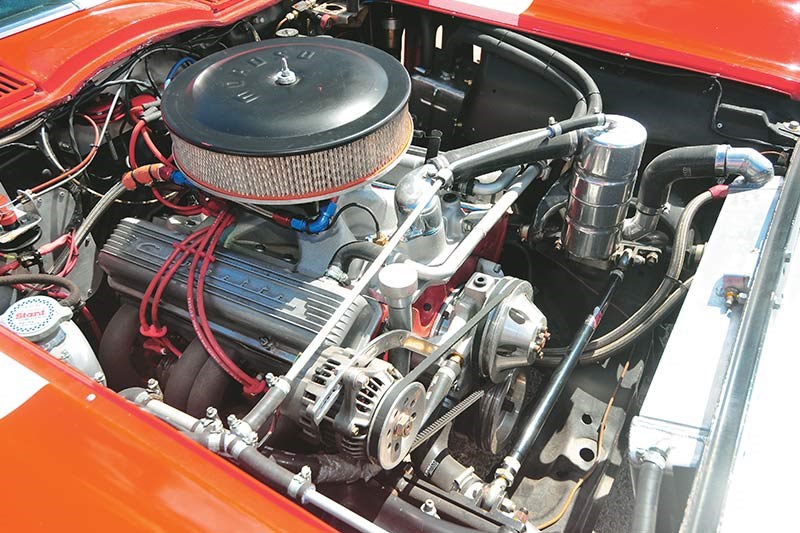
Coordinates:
x,y
602,184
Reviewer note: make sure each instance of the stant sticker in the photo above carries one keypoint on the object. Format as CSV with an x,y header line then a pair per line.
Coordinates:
x,y
505,12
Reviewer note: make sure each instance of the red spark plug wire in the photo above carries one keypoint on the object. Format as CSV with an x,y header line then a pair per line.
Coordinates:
x,y
198,314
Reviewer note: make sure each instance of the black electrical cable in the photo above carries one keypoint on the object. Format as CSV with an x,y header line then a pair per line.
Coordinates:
x,y
364,208
150,77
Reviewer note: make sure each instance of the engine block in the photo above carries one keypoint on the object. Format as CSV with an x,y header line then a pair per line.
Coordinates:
x,y
274,312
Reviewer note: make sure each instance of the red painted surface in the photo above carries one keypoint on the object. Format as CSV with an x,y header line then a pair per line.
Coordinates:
x,y
75,462
747,41
59,56
750,41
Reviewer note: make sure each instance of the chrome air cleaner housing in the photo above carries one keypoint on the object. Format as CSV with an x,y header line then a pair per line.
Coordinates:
x,y
289,120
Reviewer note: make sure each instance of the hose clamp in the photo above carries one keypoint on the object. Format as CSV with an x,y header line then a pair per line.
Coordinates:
x,y
299,482
720,160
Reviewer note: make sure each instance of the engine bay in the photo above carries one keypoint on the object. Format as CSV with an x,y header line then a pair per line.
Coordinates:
x,y
411,271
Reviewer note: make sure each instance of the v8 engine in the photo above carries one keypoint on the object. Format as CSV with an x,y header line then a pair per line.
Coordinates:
x,y
389,271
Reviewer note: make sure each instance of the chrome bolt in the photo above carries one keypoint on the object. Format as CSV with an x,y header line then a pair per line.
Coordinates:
x,y
211,412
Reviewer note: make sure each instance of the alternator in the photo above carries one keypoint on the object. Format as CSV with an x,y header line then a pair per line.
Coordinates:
x,y
350,421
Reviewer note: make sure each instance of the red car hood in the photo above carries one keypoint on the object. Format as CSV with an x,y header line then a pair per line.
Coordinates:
x,y
751,42
754,42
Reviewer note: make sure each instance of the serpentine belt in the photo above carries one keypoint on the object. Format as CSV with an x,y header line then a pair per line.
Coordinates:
x,y
434,428
441,351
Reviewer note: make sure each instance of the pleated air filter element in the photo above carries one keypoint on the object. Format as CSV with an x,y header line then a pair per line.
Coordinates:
x,y
289,120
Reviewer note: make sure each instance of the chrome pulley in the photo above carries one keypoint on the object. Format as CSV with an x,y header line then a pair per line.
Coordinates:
x,y
396,424
514,334
499,410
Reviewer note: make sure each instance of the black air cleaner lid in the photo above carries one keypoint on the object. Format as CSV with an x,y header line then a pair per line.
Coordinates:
x,y
233,101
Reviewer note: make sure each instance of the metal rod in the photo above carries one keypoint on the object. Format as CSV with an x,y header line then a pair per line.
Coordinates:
x,y
558,380
441,273
323,503
273,398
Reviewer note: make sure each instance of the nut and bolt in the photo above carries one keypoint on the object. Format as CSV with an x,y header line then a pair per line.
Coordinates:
x,y
211,412
362,380
507,506
266,342
734,296
793,125
428,507
651,258
403,426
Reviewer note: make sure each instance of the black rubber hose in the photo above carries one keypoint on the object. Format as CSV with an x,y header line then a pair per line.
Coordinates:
x,y
427,44
556,60
208,388
396,511
265,469
517,148
73,298
670,166
326,468
116,348
346,253
183,374
648,489
495,46
563,146
537,417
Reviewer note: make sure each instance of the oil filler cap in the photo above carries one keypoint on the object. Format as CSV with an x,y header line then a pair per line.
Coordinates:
x,y
35,318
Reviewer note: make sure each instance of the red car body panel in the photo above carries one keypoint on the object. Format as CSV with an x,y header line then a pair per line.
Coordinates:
x,y
54,60
749,41
77,457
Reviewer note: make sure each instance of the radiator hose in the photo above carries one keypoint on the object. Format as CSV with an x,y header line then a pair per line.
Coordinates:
x,y
648,489
691,162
